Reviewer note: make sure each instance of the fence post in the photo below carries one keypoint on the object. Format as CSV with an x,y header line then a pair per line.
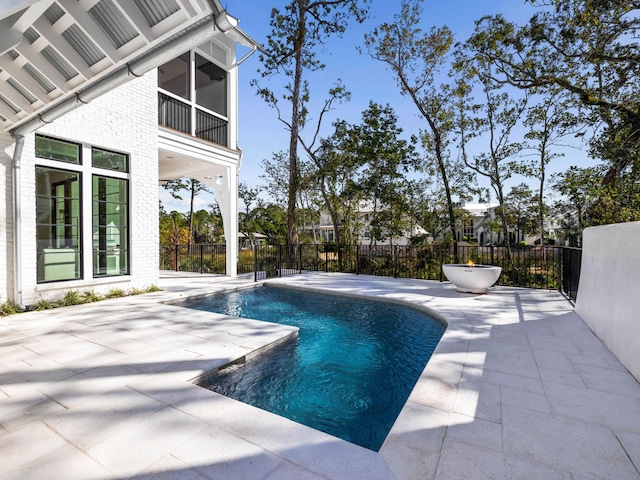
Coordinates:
x,y
441,248
492,259
176,260
317,256
547,252
357,259
559,269
300,256
395,261
255,263
326,259
201,259
280,259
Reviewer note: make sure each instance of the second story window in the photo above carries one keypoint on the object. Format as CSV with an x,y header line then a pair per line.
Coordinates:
x,y
174,76
211,86
193,97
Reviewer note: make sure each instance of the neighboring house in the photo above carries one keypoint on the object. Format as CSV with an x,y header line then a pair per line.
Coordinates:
x,y
564,227
100,100
325,230
476,227
254,238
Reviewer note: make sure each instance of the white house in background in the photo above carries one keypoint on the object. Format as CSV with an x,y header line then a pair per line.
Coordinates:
x,y
100,100
365,211
564,227
476,226
254,238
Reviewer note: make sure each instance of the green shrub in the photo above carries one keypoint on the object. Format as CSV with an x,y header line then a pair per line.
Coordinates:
x,y
72,297
116,293
8,308
89,296
43,304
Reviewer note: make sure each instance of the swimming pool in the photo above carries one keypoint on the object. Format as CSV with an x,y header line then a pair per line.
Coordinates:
x,y
349,371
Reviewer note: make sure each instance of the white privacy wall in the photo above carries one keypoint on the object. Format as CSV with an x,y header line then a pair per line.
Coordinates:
x,y
609,291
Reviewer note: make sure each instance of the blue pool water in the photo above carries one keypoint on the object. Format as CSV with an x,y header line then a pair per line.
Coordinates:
x,y
348,373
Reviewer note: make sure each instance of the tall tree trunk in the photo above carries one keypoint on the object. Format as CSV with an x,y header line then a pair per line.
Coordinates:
x,y
541,208
445,181
292,234
441,165
503,216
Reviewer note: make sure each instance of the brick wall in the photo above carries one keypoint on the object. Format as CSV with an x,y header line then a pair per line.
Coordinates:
x,y
122,120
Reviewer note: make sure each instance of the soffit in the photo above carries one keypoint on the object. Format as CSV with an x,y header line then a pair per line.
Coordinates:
x,y
50,49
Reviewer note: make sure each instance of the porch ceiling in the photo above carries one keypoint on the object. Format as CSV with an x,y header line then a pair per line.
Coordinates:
x,y
175,165
51,49
183,156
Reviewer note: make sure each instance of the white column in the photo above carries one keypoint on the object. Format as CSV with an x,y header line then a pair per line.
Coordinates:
x,y
225,187
231,226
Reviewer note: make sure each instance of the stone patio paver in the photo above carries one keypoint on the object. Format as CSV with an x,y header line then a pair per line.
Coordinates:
x,y
570,445
518,387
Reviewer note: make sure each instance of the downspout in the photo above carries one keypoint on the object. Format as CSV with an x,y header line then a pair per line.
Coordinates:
x,y
247,55
17,224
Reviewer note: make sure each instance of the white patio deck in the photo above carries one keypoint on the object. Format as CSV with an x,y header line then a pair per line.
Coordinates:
x,y
518,387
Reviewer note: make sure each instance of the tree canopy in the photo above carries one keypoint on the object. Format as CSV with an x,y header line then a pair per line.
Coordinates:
x,y
588,50
297,31
497,108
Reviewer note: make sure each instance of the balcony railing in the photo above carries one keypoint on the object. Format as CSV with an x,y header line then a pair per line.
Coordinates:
x,y
177,115
211,128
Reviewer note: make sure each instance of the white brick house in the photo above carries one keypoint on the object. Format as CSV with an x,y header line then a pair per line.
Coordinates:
x,y
99,101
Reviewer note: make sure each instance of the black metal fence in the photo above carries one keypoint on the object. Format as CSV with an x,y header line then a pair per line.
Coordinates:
x,y
548,267
202,258
570,264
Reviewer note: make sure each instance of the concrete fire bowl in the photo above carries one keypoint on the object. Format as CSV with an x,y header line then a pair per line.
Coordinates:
x,y
471,279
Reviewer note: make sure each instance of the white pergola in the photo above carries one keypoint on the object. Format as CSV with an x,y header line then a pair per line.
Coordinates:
x,y
54,50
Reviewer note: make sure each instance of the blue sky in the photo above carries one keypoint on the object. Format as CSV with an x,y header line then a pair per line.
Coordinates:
x,y
261,134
